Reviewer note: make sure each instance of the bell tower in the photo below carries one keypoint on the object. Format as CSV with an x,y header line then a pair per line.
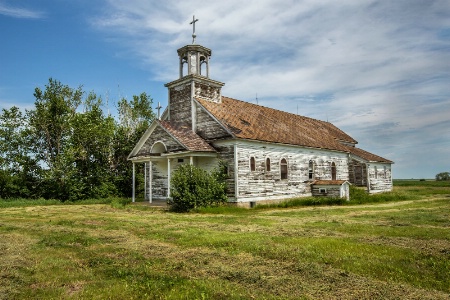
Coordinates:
x,y
193,83
195,56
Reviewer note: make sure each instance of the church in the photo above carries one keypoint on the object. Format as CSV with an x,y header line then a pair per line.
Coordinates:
x,y
270,155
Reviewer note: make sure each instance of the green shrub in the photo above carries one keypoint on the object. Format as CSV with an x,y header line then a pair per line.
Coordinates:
x,y
192,187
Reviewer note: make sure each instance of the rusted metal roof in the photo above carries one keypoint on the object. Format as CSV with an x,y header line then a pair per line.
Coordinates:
x,y
256,122
184,134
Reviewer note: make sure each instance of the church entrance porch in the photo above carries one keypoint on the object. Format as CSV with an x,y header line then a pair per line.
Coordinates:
x,y
158,170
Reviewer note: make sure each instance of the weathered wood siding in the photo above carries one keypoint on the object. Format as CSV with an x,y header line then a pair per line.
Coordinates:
x,y
159,180
380,177
357,173
207,127
226,156
180,103
332,191
159,134
263,184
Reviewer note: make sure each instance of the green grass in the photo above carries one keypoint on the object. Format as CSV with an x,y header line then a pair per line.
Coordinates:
x,y
379,249
114,201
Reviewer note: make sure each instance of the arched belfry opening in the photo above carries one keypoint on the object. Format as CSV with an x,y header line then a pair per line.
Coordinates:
x,y
204,66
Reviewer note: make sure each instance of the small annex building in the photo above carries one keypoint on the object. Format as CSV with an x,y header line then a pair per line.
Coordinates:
x,y
331,189
270,154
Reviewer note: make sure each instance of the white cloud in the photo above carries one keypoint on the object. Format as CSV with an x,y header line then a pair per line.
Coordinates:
x,y
375,68
18,12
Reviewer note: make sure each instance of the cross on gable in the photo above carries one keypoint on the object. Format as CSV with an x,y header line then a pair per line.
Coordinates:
x,y
159,109
194,20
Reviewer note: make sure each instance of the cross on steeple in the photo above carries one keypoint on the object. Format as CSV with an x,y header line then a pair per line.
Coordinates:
x,y
193,28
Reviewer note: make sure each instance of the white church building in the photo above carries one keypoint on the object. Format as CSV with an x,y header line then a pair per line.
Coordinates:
x,y
269,154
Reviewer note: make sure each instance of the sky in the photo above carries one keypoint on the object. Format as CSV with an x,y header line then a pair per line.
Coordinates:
x,y
379,70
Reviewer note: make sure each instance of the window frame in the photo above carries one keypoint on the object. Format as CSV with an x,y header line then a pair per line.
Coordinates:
x,y
311,170
333,171
252,164
284,175
268,167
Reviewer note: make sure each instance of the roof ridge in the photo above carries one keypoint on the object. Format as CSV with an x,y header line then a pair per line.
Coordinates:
x,y
271,108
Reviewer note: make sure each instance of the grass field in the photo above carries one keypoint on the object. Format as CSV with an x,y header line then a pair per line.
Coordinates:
x,y
382,250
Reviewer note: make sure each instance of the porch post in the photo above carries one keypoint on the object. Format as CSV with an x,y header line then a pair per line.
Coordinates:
x,y
191,160
134,181
168,177
150,174
145,181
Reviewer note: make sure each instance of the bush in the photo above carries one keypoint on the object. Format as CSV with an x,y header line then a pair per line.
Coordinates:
x,y
192,187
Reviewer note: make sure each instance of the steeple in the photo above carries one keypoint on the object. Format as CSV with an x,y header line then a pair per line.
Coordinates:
x,y
193,83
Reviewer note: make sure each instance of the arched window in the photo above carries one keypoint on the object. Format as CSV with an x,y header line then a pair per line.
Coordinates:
x,y
333,171
311,170
283,169
158,148
268,164
252,164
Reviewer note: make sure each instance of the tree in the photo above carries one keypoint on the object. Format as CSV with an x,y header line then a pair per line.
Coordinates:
x,y
90,148
443,176
50,125
60,151
193,187
135,117
18,169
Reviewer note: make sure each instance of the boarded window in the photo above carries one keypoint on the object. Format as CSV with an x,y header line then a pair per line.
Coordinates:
x,y
333,171
252,164
311,170
283,169
268,164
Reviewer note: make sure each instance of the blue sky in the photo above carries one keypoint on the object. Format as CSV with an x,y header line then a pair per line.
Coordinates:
x,y
379,70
